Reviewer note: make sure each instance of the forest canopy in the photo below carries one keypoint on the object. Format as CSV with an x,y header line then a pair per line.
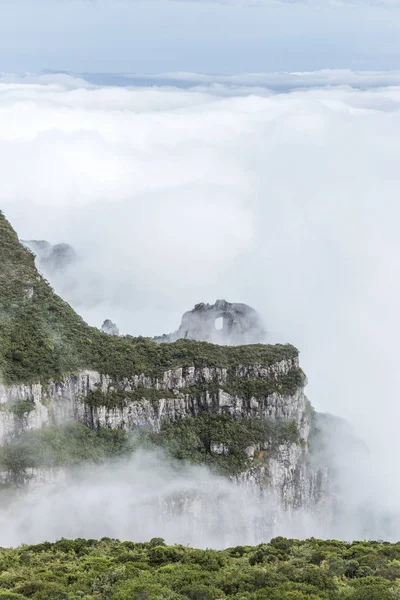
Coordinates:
x,y
284,569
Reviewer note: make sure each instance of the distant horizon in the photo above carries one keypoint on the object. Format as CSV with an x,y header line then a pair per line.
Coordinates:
x,y
273,81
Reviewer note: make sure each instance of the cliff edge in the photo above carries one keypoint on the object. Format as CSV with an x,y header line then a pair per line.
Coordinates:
x,y
239,409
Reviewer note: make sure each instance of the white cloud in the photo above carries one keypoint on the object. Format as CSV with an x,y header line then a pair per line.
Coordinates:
x,y
289,202
244,82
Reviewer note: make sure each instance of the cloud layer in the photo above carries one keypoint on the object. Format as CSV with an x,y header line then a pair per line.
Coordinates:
x,y
286,201
146,497
241,84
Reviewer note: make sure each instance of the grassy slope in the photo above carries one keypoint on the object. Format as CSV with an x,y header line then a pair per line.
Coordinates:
x,y
282,570
42,337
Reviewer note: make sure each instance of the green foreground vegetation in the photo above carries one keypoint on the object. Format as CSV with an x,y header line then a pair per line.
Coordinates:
x,y
281,570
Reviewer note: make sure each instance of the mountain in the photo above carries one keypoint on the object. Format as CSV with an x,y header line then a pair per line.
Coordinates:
x,y
70,392
42,337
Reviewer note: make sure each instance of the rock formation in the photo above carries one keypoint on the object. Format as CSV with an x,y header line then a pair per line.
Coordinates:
x,y
222,323
144,402
110,328
56,369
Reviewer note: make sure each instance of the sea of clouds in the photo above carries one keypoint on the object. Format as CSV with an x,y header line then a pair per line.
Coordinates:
x,y
174,193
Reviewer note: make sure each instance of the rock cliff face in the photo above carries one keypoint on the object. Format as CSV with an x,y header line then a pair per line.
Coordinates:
x,y
145,402
239,408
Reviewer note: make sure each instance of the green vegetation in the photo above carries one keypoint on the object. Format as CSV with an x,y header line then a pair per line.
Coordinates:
x,y
248,387
121,398
41,336
21,408
194,440
220,441
71,444
281,570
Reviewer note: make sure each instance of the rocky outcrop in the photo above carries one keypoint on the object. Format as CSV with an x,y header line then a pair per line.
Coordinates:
x,y
223,323
240,408
109,327
142,401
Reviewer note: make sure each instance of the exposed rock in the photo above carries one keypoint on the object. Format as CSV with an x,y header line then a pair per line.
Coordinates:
x,y
223,323
178,398
287,473
135,383
110,328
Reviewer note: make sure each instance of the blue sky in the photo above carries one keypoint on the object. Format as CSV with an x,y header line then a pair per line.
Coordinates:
x,y
156,36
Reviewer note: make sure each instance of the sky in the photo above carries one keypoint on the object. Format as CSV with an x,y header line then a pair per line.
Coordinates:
x,y
155,36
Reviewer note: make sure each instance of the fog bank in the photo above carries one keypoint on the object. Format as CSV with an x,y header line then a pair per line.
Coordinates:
x,y
284,201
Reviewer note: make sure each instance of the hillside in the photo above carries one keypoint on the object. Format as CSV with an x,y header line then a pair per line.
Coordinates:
x,y
42,337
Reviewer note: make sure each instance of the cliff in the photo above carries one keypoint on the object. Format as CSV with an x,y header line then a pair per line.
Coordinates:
x,y
262,439
241,410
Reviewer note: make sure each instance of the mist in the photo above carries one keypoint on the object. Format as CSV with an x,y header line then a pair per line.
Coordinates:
x,y
147,496
285,201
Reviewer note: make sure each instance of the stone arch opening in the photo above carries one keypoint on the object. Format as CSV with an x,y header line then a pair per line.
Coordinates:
x,y
219,323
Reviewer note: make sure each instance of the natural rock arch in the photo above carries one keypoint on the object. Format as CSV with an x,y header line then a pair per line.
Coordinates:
x,y
241,324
